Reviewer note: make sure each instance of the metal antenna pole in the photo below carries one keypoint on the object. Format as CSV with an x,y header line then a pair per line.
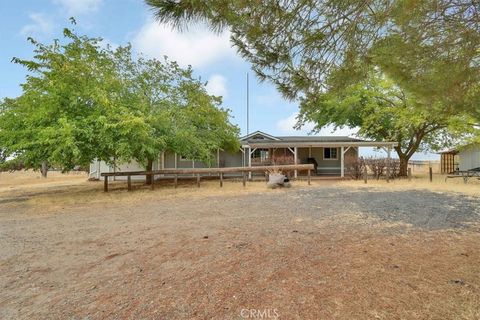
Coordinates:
x,y
248,108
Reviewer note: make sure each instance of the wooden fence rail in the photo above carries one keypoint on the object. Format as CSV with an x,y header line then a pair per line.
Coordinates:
x,y
199,171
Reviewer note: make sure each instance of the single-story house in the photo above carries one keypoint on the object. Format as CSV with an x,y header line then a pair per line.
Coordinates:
x,y
330,155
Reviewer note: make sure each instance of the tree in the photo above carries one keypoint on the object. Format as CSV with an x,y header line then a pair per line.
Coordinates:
x,y
297,44
382,110
181,115
82,102
67,98
3,156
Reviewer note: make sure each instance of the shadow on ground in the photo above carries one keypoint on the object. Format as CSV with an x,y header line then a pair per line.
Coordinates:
x,y
419,208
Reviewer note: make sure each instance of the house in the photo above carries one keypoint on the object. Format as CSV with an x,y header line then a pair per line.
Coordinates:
x,y
331,155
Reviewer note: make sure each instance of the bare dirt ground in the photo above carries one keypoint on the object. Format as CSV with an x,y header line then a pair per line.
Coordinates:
x,y
333,250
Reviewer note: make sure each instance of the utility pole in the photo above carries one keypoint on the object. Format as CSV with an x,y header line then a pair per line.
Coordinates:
x,y
248,107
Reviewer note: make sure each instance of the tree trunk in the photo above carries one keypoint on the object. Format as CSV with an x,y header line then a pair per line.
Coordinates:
x,y
44,169
402,172
149,167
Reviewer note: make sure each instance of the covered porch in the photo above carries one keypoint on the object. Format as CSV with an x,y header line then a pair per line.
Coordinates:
x,y
330,159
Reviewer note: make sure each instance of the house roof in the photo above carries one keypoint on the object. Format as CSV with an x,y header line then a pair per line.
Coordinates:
x,y
260,136
449,151
257,134
262,139
319,139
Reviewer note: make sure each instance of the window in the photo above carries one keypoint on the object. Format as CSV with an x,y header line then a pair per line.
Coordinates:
x,y
330,153
261,154
264,155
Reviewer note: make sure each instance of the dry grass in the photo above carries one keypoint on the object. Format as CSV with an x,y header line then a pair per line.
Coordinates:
x,y
60,190
83,253
421,182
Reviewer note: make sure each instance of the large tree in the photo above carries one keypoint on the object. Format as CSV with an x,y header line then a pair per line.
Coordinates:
x,y
430,46
66,96
82,101
382,110
181,115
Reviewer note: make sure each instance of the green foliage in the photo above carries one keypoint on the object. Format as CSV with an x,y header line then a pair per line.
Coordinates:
x,y
82,102
425,91
429,47
382,110
3,156
11,165
179,113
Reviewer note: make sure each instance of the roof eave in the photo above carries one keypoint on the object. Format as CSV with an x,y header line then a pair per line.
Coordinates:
x,y
323,144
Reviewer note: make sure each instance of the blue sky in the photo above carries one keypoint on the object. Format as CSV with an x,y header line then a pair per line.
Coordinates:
x,y
123,21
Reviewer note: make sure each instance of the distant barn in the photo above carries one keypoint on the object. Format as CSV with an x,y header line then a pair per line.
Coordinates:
x,y
463,158
469,157
449,161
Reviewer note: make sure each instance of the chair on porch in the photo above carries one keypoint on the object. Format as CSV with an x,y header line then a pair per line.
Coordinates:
x,y
315,164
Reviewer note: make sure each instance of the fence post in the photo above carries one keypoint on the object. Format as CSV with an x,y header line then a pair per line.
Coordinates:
x,y
105,184
388,164
244,179
308,176
129,183
365,175
153,182
221,179
430,173
409,174
176,181
198,180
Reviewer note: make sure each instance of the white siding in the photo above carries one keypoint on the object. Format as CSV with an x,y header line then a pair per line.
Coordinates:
x,y
469,158
226,160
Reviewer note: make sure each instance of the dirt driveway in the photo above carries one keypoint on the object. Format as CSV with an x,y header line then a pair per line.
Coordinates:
x,y
321,252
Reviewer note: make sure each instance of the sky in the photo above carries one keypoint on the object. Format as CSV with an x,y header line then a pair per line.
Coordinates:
x,y
120,22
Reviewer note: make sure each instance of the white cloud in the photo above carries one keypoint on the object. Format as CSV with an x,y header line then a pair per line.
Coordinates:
x,y
285,126
217,85
41,24
78,7
197,47
271,99
339,132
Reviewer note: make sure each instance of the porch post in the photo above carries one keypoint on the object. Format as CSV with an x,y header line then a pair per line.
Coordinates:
x,y
218,158
250,162
342,163
295,160
388,164
242,150
175,160
310,151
